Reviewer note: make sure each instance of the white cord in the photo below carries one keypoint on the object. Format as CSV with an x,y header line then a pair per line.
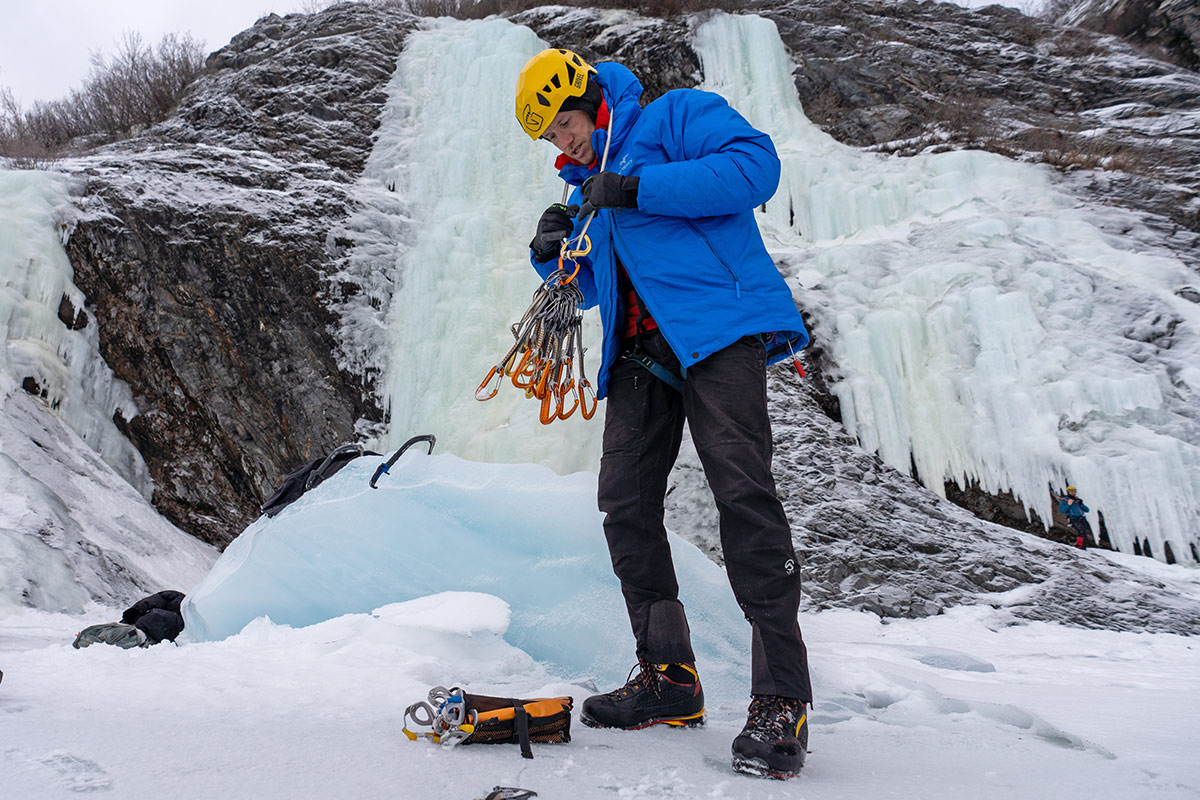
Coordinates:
x,y
603,162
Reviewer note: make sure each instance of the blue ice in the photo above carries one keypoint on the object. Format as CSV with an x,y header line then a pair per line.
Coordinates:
x,y
439,523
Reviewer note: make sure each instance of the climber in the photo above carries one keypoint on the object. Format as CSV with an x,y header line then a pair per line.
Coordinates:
x,y
693,310
1075,510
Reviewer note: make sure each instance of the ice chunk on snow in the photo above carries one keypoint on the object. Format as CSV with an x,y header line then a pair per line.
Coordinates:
x,y
440,523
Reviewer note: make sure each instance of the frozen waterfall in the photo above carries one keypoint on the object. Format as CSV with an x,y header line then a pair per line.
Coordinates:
x,y
51,346
472,185
985,326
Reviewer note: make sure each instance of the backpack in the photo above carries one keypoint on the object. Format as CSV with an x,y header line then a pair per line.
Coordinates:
x,y
158,616
310,476
457,717
119,633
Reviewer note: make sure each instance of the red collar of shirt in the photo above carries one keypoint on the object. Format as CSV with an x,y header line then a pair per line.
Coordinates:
x,y
602,117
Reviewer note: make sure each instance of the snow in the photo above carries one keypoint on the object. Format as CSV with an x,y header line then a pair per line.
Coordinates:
x,y
1021,321
904,709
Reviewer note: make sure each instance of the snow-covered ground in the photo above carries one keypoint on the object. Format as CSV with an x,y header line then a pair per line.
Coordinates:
x,y
431,579
960,705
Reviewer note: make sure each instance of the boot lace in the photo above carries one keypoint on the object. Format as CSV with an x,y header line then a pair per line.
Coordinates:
x,y
646,678
773,717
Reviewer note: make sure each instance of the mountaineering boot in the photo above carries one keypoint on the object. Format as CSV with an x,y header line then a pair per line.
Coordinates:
x,y
775,740
660,693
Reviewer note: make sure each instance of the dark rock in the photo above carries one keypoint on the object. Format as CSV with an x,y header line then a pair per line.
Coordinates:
x,y
1168,28
75,319
907,77
203,253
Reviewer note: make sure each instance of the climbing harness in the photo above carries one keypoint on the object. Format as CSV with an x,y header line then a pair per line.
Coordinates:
x,y
549,339
455,717
654,368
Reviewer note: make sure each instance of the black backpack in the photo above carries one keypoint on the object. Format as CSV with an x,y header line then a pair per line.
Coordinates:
x,y
311,475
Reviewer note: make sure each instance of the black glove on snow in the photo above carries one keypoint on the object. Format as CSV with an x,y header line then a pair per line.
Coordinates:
x,y
608,190
554,226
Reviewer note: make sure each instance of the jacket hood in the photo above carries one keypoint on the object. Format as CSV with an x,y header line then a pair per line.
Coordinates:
x,y
622,93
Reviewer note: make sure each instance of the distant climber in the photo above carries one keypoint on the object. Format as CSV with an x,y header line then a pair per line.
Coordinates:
x,y
693,310
148,621
1075,510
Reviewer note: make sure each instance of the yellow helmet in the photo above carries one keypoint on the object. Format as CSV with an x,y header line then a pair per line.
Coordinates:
x,y
1070,488
548,80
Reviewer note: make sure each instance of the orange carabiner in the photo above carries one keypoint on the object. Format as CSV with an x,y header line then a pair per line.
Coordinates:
x,y
527,368
574,256
547,413
563,396
586,388
495,372
539,390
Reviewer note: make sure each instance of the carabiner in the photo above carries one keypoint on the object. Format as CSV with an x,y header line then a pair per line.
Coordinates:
x,y
548,413
563,396
527,368
586,388
496,373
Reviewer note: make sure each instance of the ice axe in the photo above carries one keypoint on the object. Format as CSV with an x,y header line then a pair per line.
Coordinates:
x,y
386,467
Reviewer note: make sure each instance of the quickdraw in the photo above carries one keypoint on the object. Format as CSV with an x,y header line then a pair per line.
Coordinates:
x,y
549,338
549,342
446,714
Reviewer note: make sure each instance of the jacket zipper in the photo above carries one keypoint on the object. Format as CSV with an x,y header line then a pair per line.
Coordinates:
x,y
737,286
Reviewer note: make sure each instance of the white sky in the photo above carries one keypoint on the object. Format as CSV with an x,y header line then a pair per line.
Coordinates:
x,y
45,44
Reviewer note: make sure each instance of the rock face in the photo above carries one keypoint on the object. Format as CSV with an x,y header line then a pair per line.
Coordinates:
x,y
207,253
906,77
203,254
1169,27
871,538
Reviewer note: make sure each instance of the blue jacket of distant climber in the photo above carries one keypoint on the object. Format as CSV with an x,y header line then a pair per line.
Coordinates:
x,y
1072,510
692,247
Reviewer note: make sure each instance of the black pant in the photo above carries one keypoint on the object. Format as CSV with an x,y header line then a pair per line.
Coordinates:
x,y
1082,531
725,404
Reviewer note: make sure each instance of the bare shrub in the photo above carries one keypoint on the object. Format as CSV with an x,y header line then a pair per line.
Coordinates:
x,y
135,87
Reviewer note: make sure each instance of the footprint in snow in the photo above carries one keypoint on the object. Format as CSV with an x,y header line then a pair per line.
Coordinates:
x,y
78,774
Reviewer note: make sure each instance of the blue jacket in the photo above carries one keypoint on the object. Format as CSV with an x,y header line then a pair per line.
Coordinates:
x,y
1076,509
692,247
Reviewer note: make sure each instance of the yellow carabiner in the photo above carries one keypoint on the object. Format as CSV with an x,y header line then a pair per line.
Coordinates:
x,y
574,256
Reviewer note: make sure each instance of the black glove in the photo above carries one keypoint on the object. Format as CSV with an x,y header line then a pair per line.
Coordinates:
x,y
608,190
554,226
